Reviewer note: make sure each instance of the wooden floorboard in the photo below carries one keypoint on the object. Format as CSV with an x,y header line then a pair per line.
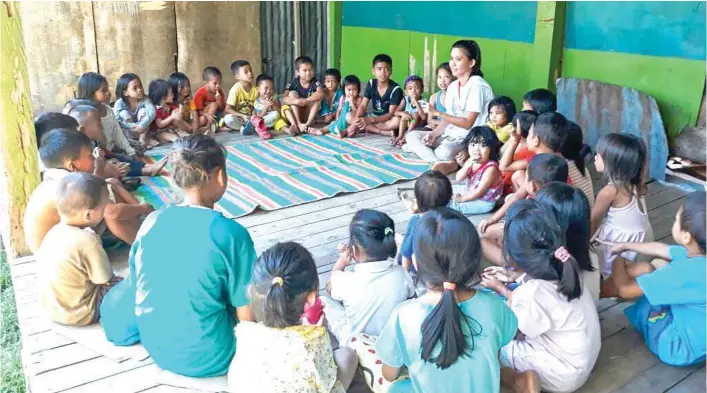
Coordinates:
x,y
54,363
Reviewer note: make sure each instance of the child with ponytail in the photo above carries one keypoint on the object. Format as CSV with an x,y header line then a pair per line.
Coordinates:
x,y
363,298
449,338
283,350
559,336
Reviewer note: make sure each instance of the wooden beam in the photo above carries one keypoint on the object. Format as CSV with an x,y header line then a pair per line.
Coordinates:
x,y
19,172
549,42
334,32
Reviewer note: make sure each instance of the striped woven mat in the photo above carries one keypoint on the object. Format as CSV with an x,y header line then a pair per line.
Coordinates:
x,y
285,172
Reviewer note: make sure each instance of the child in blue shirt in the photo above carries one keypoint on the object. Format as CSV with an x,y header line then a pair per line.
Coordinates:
x,y
670,309
449,338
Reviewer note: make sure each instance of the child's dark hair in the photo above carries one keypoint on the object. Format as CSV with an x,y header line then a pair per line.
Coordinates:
x,y
572,213
473,52
194,158
448,251
76,102
282,277
49,121
526,119
210,72
414,78
79,191
547,167
373,233
624,159
551,129
237,65
541,100
123,83
485,136
432,190
444,66
81,112
532,238
158,91
505,103
692,217
62,145
89,84
332,72
382,58
574,148
262,78
352,80
177,81
303,60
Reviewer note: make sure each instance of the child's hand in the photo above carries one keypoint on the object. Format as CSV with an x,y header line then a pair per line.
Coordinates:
x,y
458,197
329,117
405,116
493,284
300,102
344,251
360,122
499,273
614,248
429,139
209,117
139,129
176,114
122,167
217,94
484,224
515,131
461,157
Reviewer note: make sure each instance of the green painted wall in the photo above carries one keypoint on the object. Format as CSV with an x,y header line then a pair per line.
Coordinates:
x,y
677,84
504,63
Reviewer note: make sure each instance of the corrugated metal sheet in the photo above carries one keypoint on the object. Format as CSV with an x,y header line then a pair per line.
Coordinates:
x,y
278,41
313,27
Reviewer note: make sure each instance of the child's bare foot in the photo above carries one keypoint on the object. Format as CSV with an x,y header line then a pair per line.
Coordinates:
x,y
293,130
446,167
314,131
154,169
303,128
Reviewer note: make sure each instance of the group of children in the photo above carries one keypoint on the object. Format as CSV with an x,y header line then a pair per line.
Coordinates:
x,y
426,307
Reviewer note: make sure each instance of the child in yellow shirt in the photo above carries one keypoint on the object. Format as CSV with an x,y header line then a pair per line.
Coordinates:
x,y
241,97
501,112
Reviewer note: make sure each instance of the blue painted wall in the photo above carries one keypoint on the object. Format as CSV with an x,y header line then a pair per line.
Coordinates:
x,y
513,21
671,29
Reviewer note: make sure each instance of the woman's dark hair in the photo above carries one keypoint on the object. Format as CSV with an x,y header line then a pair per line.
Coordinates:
x,y
281,305
332,72
352,80
551,129
473,52
485,136
177,81
158,90
123,83
692,217
572,212
448,250
194,158
574,148
373,233
89,84
526,119
531,238
508,106
624,159
432,190
444,66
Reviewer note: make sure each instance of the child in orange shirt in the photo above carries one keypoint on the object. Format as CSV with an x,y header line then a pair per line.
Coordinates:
x,y
210,101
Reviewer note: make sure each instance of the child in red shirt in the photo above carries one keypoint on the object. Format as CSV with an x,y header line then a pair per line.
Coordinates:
x,y
513,163
210,101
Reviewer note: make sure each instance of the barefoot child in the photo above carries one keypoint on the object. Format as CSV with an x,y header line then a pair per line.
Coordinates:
x,y
452,333
444,78
384,95
332,96
559,336
619,214
241,97
209,100
268,113
670,308
484,185
411,110
345,124
76,273
134,112
181,89
363,298
168,125
283,351
304,94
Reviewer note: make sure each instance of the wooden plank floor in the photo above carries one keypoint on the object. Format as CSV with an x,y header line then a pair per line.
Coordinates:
x,y
54,363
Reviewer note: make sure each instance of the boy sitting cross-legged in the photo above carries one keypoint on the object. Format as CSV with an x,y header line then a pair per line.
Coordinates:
x,y
384,95
76,273
64,151
304,94
241,97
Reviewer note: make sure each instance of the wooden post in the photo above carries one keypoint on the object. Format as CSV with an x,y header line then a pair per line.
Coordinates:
x,y
298,28
19,172
335,13
549,41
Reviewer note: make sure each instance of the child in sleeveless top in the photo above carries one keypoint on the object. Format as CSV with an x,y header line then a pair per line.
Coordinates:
x,y
444,78
574,150
484,185
411,109
501,111
619,214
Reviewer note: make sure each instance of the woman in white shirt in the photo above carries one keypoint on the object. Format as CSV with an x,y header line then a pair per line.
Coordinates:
x,y
466,106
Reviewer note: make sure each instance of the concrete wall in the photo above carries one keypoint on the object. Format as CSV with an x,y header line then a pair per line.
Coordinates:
x,y
655,47
150,38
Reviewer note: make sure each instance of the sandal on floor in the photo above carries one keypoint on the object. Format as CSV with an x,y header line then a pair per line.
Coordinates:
x,y
132,184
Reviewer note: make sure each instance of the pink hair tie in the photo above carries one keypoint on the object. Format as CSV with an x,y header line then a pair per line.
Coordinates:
x,y
562,254
449,285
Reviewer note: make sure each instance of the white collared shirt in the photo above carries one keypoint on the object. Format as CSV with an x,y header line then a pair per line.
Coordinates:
x,y
473,96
